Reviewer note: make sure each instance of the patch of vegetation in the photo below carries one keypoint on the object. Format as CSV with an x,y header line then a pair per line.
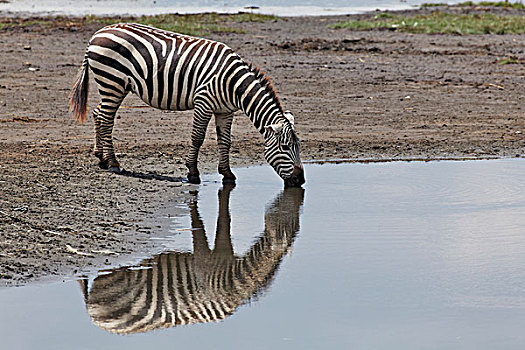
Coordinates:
x,y
432,4
511,60
516,5
384,15
24,23
190,24
442,23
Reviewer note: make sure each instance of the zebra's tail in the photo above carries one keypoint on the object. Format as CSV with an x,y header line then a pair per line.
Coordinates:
x,y
79,93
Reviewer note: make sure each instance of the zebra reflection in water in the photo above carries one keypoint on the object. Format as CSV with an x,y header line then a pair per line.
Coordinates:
x,y
207,285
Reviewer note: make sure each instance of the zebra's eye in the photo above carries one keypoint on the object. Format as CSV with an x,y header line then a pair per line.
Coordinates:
x,y
285,147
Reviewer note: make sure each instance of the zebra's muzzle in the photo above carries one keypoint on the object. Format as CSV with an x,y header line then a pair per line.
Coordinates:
x,y
296,179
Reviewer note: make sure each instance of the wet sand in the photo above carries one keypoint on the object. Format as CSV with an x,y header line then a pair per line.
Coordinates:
x,y
366,95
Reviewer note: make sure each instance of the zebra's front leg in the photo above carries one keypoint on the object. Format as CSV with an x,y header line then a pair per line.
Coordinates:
x,y
200,124
223,124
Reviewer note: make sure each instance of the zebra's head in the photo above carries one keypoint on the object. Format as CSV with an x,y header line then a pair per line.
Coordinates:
x,y
282,151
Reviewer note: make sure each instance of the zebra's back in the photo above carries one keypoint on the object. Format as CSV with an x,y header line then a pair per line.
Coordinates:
x,y
164,69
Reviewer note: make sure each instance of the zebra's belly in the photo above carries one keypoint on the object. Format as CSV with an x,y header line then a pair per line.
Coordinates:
x,y
155,103
164,99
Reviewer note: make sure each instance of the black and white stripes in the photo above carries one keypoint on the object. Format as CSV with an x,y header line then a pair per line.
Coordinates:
x,y
178,72
179,288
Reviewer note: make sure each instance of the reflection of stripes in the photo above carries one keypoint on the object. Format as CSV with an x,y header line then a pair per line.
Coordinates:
x,y
206,285
177,72
170,293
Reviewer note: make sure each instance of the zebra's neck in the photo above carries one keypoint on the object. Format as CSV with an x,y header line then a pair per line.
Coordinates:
x,y
253,93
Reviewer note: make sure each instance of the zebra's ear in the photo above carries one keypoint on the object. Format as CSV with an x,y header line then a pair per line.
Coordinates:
x,y
288,115
275,128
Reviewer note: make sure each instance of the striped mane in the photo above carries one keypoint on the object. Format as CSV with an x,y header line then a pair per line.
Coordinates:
x,y
266,82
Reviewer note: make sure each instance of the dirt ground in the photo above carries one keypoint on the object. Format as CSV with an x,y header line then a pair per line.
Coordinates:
x,y
355,94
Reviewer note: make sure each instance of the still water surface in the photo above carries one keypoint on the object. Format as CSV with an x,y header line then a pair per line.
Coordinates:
x,y
368,256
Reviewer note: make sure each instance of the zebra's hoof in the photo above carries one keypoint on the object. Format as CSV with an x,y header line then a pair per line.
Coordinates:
x,y
99,155
228,181
194,179
115,169
103,164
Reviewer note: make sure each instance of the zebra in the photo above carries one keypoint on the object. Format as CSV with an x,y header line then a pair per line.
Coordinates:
x,y
181,288
171,71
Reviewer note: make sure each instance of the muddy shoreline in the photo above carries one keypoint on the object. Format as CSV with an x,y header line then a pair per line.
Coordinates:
x,y
374,95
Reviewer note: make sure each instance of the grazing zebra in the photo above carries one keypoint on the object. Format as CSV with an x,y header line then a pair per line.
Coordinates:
x,y
178,72
179,288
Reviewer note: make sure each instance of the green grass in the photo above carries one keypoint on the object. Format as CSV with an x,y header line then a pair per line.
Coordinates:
x,y
431,4
510,60
16,22
384,15
191,24
516,5
442,23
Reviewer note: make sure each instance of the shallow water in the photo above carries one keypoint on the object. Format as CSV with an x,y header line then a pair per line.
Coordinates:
x,y
369,256
148,7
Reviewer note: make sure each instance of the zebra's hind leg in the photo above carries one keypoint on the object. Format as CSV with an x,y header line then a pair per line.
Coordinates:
x,y
97,150
201,119
223,123
105,120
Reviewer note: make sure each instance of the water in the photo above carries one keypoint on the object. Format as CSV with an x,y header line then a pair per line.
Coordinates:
x,y
148,7
369,256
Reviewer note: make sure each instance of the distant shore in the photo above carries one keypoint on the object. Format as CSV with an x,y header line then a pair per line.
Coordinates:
x,y
143,7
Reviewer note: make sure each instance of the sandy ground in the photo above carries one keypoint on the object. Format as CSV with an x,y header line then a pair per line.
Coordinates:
x,y
365,95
